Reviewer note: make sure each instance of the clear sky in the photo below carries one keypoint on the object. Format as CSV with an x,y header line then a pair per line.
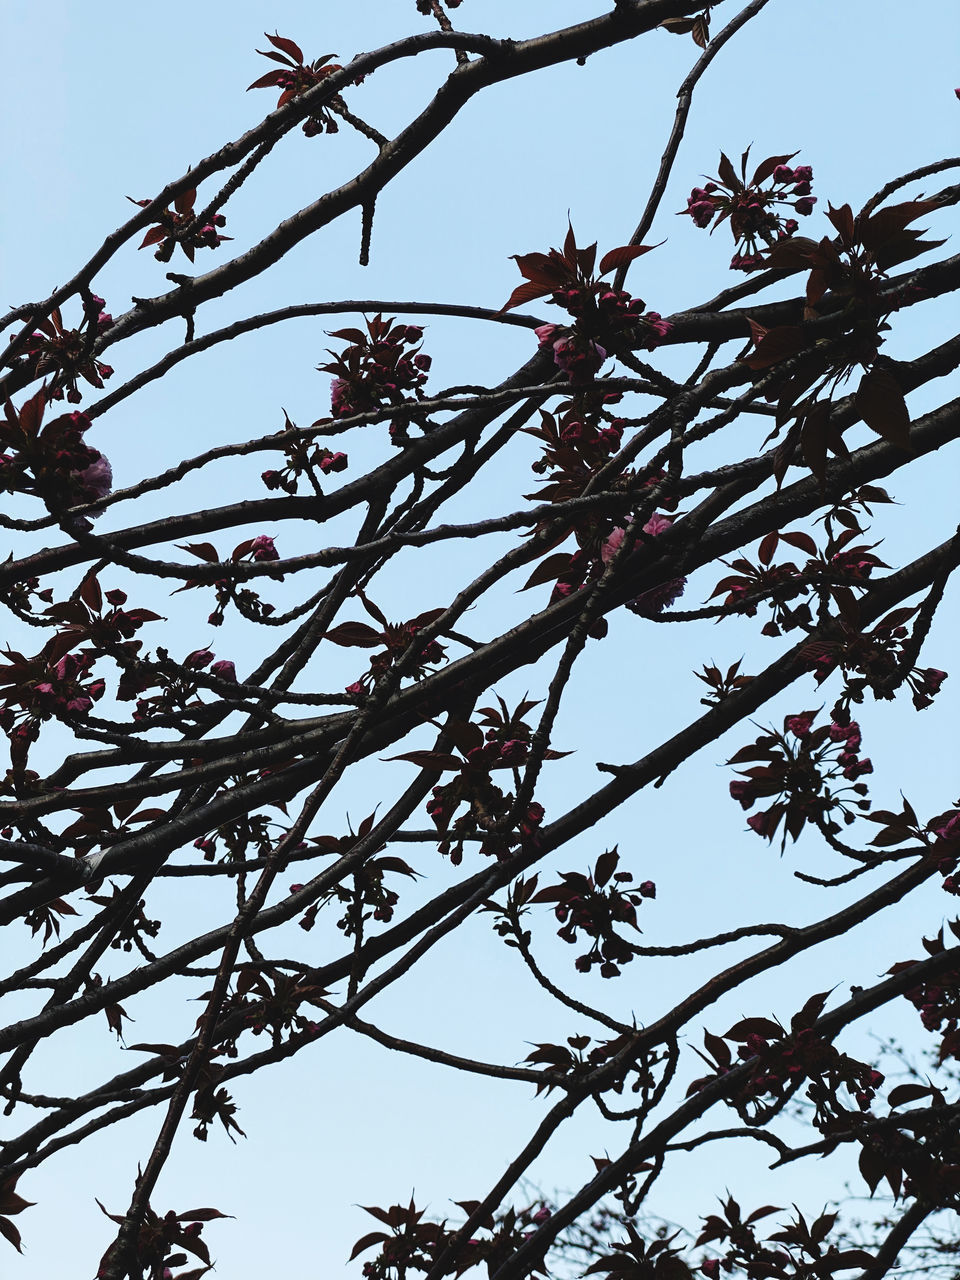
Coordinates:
x,y
110,99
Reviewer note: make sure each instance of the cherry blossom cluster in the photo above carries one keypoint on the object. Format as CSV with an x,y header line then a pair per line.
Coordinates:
x,y
181,226
810,772
303,457
412,1244
160,1241
658,598
64,355
605,320
595,905
383,366
500,740
258,550
58,682
780,1061
52,461
937,999
397,640
751,207
296,77
176,682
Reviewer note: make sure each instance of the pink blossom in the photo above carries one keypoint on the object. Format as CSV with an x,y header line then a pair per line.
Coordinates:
x,y
701,211
339,398
545,334
612,545
657,598
657,524
950,831
741,790
578,357
805,205
658,326
857,768
799,725
760,823
225,670
68,667
336,462
95,480
262,548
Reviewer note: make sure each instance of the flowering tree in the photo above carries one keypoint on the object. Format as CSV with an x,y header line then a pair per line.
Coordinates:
x,y
137,760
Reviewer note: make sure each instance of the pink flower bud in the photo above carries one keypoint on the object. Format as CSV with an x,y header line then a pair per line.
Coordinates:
x,y
262,548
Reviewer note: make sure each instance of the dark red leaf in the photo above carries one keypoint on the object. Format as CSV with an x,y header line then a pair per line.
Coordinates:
x,y
153,236
606,865
355,633
620,257
203,550
548,570
880,403
525,293
288,47
727,174
765,169
434,760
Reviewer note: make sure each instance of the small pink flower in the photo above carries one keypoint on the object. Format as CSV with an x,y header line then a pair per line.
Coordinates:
x,y
657,524
262,548
545,334
857,768
701,211
805,205
741,790
579,357
659,328
336,462
95,480
759,823
340,403
657,598
612,545
225,670
799,725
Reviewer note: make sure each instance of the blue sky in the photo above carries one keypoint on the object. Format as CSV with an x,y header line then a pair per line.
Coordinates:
x,y
110,100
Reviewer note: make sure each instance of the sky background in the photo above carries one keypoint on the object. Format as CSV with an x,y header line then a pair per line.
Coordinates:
x,y
106,100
